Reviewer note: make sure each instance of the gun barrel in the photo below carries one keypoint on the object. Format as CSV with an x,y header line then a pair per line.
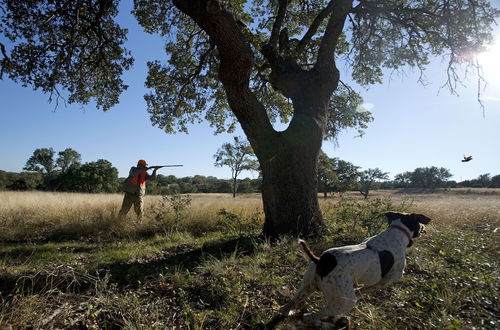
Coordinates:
x,y
158,166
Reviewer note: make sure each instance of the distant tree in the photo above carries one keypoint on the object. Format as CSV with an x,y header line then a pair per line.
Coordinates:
x,y
42,161
387,185
347,175
495,181
69,180
95,177
212,184
224,186
18,185
173,188
171,179
201,184
67,158
162,185
33,180
4,179
187,188
238,156
430,177
484,180
245,186
368,179
326,173
257,184
403,180
197,184
24,181
335,175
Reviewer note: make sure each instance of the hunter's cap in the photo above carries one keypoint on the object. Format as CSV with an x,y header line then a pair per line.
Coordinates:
x,y
142,162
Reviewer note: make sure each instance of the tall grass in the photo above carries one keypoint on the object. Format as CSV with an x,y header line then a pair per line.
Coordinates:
x,y
38,216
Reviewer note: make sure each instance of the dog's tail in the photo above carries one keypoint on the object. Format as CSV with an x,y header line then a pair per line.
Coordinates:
x,y
314,258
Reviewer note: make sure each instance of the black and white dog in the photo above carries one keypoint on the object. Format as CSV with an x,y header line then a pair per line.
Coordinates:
x,y
370,265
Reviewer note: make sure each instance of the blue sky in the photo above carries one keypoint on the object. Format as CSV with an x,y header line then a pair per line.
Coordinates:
x,y
414,125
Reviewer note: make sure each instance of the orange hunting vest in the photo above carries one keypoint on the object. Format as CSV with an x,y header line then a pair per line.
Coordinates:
x,y
139,179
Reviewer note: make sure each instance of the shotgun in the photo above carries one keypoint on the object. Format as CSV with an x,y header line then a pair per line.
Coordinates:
x,y
160,166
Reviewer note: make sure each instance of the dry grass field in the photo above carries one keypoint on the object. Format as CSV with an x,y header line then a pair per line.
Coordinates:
x,y
67,261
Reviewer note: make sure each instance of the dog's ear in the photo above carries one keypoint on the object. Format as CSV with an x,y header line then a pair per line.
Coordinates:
x,y
391,216
421,218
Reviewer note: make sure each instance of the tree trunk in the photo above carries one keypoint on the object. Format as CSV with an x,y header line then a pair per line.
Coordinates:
x,y
290,183
235,183
290,200
363,192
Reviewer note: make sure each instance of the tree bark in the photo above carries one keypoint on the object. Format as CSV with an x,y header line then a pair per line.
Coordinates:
x,y
289,191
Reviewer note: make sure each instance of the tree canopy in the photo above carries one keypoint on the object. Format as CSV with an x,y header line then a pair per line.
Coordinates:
x,y
238,156
368,178
336,175
41,161
67,158
77,46
423,177
98,176
71,46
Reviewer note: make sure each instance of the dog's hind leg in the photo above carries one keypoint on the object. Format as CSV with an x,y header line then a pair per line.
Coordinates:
x,y
340,299
307,287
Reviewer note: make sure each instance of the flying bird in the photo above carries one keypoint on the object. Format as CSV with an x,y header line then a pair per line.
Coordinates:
x,y
466,159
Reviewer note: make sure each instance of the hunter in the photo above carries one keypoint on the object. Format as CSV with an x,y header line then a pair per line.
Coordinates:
x,y
135,188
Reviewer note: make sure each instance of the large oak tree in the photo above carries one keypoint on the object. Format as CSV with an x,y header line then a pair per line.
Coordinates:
x,y
246,61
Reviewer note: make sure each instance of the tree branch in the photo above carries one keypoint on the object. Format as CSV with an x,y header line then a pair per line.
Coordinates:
x,y
273,40
270,49
313,28
188,80
236,64
5,61
333,31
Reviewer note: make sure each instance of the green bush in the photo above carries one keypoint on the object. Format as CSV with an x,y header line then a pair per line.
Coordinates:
x,y
360,217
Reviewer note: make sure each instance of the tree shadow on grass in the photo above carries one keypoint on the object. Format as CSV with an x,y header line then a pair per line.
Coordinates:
x,y
180,257
65,278
21,253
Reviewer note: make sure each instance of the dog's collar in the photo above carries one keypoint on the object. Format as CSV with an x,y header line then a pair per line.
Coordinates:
x,y
405,231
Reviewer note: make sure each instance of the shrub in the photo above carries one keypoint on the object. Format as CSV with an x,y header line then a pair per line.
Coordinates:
x,y
360,217
175,202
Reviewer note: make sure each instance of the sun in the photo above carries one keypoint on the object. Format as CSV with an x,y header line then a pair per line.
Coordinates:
x,y
490,63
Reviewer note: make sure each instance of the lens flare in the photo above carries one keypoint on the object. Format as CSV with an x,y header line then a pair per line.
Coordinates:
x,y
490,64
